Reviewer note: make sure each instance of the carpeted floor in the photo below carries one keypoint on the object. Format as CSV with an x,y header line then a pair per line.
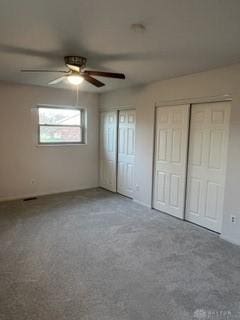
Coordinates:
x,y
93,255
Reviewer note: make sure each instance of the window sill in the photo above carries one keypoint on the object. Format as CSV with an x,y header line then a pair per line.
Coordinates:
x,y
60,144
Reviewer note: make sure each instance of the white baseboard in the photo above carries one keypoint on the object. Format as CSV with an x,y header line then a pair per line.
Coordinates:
x,y
233,241
142,203
18,197
24,196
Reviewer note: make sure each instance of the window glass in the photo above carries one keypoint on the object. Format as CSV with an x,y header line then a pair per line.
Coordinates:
x,y
59,134
59,116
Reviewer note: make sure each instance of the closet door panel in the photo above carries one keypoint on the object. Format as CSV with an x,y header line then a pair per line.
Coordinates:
x,y
171,142
207,164
108,149
126,152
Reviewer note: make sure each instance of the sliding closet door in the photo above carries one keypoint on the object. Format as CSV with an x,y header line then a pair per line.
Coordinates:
x,y
126,152
171,142
207,164
108,150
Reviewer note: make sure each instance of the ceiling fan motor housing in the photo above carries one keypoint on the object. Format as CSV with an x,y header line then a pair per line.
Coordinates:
x,y
76,61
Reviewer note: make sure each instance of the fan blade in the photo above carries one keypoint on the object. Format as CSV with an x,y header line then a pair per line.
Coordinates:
x,y
57,80
61,71
73,68
105,74
93,81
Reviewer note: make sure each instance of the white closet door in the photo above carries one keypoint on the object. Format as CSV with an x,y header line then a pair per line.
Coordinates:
x,y
108,150
207,164
171,142
126,152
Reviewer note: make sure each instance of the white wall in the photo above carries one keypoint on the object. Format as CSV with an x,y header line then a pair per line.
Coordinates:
x,y
198,86
53,168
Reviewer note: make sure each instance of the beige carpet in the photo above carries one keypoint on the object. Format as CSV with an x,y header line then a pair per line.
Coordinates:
x,y
93,255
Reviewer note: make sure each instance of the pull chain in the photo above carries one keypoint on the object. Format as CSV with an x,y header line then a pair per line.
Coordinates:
x,y
76,91
77,96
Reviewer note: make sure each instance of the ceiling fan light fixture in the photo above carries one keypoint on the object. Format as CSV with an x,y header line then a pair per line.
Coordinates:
x,y
75,79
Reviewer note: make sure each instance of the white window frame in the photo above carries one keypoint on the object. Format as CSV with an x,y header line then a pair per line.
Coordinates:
x,y
82,126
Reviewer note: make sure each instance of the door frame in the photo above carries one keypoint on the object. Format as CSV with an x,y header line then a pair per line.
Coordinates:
x,y
191,102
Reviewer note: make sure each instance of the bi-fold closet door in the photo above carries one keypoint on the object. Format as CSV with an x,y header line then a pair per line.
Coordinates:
x,y
190,162
117,151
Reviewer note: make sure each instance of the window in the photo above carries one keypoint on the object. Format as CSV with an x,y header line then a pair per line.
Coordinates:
x,y
60,125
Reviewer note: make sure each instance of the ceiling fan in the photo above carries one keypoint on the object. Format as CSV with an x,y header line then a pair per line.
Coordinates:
x,y
76,72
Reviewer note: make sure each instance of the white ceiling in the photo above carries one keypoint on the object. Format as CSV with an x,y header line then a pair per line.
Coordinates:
x,y
182,37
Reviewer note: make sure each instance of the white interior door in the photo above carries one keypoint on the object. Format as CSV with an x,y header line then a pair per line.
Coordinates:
x,y
207,164
171,142
108,150
126,152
